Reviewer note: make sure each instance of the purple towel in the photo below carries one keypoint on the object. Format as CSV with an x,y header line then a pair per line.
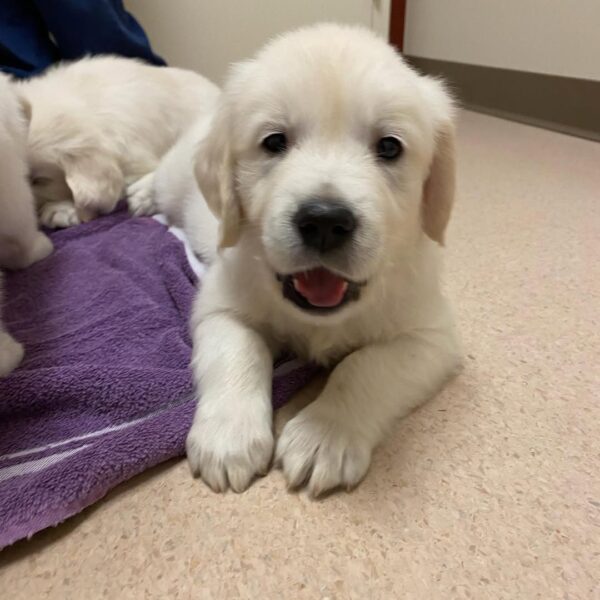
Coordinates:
x,y
105,391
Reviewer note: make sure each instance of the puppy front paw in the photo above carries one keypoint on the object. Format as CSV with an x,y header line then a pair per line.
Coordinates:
x,y
19,253
140,196
320,450
59,215
230,450
11,354
42,247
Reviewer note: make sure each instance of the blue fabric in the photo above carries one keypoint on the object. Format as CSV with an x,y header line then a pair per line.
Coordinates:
x,y
36,33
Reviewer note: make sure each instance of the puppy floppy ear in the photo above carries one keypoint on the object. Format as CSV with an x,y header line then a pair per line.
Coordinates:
x,y
25,108
215,174
439,187
96,182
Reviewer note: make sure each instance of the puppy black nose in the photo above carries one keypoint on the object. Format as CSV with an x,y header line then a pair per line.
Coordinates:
x,y
324,225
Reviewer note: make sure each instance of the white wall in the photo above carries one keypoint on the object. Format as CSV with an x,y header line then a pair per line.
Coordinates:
x,y
559,37
208,35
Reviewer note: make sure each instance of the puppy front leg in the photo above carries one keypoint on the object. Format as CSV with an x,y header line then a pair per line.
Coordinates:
x,y
231,439
329,443
21,243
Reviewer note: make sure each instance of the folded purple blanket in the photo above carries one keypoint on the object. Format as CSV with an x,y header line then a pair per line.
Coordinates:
x,y
105,391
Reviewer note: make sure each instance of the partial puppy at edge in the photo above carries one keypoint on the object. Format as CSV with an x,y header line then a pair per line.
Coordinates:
x,y
21,244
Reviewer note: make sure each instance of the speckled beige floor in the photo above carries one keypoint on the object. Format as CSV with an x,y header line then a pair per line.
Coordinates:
x,y
490,491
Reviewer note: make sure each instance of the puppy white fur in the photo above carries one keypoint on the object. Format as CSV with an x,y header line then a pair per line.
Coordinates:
x,y
101,123
21,244
335,92
11,352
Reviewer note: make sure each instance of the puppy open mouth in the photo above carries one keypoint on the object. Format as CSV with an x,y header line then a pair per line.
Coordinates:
x,y
318,290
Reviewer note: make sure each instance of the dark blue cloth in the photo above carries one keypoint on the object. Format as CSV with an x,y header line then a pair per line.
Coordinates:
x,y
36,33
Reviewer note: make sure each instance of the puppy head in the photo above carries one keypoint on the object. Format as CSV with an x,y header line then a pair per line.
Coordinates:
x,y
335,156
69,158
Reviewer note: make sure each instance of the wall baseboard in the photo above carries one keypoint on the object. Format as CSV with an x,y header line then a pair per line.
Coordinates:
x,y
564,104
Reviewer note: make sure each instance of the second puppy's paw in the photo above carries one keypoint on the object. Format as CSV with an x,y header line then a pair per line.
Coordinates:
x,y
59,215
140,196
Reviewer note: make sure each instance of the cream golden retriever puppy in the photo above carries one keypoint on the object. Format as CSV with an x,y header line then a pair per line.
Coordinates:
x,y
21,244
99,124
329,169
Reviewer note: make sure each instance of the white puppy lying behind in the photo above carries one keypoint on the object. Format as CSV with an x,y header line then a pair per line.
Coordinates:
x,y
21,244
101,123
330,166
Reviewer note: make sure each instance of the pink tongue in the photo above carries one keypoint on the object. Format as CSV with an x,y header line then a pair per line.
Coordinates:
x,y
321,287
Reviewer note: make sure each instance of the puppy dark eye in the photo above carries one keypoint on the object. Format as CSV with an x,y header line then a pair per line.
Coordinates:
x,y
39,180
389,148
275,143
